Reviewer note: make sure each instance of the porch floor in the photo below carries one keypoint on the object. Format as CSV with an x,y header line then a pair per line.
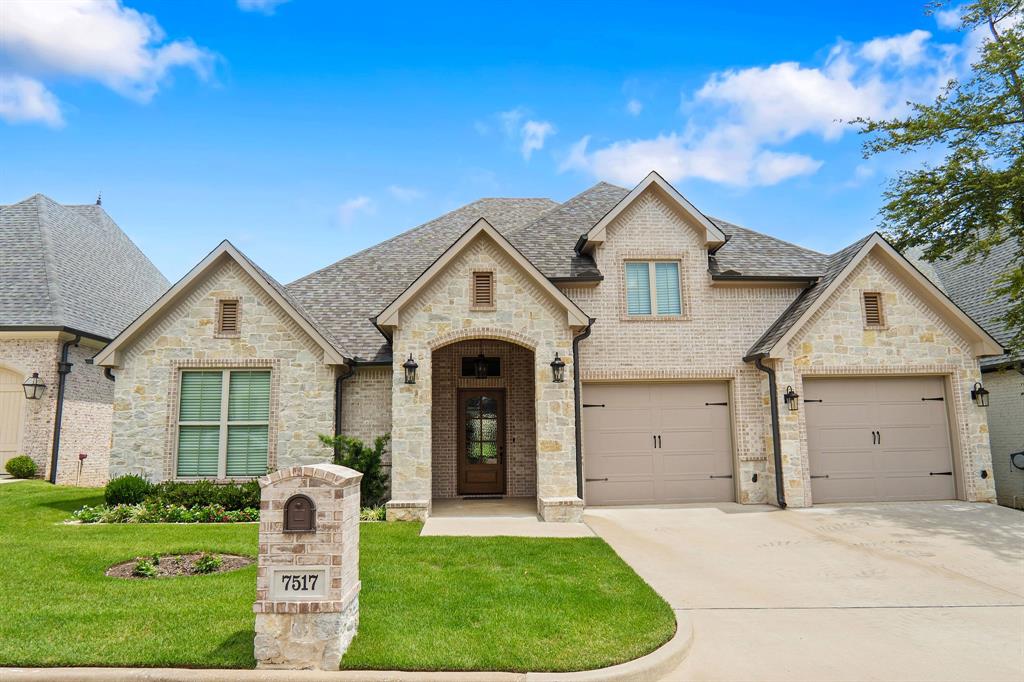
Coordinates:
x,y
508,516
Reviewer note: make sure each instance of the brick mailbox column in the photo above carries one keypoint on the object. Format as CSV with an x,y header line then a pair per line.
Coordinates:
x,y
307,582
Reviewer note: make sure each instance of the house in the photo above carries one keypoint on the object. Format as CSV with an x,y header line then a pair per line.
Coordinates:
x,y
969,285
618,348
70,280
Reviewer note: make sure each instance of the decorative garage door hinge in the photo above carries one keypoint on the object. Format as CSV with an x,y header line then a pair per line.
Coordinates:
x,y
821,476
592,405
713,476
716,403
591,480
939,398
940,473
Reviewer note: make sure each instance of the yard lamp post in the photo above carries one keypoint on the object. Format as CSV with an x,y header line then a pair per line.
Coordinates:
x,y
792,399
557,369
34,387
410,370
979,394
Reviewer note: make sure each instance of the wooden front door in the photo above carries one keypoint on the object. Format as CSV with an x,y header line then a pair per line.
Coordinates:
x,y
481,442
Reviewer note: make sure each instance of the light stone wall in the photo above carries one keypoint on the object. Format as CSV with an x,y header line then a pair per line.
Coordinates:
x,y
707,342
916,341
439,315
366,405
86,422
1006,432
145,404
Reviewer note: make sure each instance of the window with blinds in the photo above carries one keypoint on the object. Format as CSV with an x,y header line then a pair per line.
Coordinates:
x,y
223,423
652,287
227,317
483,289
873,309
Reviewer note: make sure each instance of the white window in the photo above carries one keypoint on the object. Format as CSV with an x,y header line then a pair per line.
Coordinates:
x,y
223,423
652,287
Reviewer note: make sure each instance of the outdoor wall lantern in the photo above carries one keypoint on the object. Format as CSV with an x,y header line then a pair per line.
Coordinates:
x,y
410,370
979,394
480,367
557,369
792,399
34,387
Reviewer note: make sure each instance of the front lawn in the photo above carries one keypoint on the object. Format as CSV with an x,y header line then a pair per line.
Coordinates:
x,y
432,603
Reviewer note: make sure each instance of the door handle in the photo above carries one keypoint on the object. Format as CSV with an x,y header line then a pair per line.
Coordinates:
x,y
875,439
879,437
659,442
655,439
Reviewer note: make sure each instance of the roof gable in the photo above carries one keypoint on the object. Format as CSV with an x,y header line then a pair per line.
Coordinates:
x,y
390,316
713,235
112,354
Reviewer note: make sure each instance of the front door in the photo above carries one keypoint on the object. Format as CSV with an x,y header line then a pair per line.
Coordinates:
x,y
481,442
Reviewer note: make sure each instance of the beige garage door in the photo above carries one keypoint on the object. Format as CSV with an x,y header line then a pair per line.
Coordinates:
x,y
12,402
657,443
878,439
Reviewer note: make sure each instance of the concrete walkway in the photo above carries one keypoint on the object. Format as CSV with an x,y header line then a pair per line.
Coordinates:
x,y
899,591
7,478
510,516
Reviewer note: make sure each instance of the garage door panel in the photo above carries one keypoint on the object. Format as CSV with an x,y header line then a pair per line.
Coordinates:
x,y
913,437
624,464
621,491
914,487
701,464
695,489
920,412
841,414
839,438
613,441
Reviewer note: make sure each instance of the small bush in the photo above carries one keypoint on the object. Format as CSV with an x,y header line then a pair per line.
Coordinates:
x,y
373,513
127,489
21,466
355,454
152,512
144,569
207,563
231,497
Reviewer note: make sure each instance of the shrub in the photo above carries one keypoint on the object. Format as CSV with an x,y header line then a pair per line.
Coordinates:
x,y
207,563
127,489
373,513
354,454
231,497
144,569
21,466
152,512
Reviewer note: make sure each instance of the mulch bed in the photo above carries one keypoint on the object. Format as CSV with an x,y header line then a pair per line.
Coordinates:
x,y
176,565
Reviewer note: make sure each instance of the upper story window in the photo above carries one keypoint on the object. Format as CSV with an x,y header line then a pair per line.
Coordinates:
x,y
223,423
228,323
652,288
483,290
874,316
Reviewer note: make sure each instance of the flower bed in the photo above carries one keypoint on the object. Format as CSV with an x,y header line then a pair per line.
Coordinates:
x,y
177,565
155,512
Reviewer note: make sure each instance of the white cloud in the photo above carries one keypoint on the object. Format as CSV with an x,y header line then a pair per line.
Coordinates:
x,y
741,121
534,133
529,134
350,209
263,6
24,100
634,107
949,19
405,193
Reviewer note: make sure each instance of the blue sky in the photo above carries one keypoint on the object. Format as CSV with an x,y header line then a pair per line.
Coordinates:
x,y
305,131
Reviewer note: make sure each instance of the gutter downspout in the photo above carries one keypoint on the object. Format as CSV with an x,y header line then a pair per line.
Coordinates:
x,y
63,369
338,395
579,412
780,491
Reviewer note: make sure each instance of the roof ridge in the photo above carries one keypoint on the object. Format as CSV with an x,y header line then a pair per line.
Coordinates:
x,y
42,220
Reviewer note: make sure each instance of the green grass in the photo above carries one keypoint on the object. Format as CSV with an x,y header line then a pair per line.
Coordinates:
x,y
433,603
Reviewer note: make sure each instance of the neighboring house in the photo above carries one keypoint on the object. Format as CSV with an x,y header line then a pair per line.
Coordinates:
x,y
618,348
970,285
70,280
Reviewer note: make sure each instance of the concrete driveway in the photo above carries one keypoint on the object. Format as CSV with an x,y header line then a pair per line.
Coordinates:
x,y
895,591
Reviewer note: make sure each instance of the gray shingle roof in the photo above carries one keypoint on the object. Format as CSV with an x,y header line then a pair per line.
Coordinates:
x,y
748,253
969,285
71,266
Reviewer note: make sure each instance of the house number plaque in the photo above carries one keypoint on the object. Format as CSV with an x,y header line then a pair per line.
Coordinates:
x,y
298,583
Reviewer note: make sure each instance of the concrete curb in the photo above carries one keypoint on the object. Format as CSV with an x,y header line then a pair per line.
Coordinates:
x,y
649,668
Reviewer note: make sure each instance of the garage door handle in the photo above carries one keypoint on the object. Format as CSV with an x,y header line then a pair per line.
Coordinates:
x,y
729,476
591,480
940,473
822,476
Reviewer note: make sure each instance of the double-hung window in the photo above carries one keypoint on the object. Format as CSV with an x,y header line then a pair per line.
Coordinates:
x,y
652,288
223,423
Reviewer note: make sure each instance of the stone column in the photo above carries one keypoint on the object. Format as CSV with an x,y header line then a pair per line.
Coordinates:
x,y
307,581
411,468
556,437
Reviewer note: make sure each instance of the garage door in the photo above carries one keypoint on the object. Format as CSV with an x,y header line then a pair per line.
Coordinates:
x,y
12,400
878,439
657,443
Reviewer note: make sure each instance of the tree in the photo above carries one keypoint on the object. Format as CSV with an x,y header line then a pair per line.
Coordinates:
x,y
974,199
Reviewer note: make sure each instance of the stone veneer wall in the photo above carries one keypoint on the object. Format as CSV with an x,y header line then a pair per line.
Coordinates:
x,y
366,405
87,414
439,315
916,341
520,432
1006,431
145,404
708,341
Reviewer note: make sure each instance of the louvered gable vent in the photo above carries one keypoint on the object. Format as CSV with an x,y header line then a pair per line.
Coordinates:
x,y
483,289
872,309
229,323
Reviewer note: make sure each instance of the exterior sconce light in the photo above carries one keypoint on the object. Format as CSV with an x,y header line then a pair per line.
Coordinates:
x,y
410,370
979,394
34,387
557,369
480,367
792,399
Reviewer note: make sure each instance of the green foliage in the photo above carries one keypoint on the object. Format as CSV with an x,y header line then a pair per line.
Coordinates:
x,y
144,569
373,513
354,454
207,563
127,489
21,466
204,493
155,512
974,199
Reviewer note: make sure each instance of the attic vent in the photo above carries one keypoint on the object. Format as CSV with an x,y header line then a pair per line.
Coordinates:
x,y
483,289
227,317
873,309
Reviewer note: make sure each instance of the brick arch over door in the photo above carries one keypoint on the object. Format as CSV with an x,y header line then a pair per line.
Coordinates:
x,y
476,333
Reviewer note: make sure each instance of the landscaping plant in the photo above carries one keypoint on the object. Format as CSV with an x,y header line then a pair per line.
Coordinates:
x,y
355,454
207,563
21,466
373,513
127,489
144,569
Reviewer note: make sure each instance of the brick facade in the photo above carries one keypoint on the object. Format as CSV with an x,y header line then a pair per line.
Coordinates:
x,y
1006,424
366,405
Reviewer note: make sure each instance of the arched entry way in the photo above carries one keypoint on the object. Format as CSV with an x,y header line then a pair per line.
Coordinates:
x,y
12,409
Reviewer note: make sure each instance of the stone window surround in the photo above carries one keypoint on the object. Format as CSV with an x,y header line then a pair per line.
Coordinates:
x,y
884,324
472,287
632,256
171,449
217,332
